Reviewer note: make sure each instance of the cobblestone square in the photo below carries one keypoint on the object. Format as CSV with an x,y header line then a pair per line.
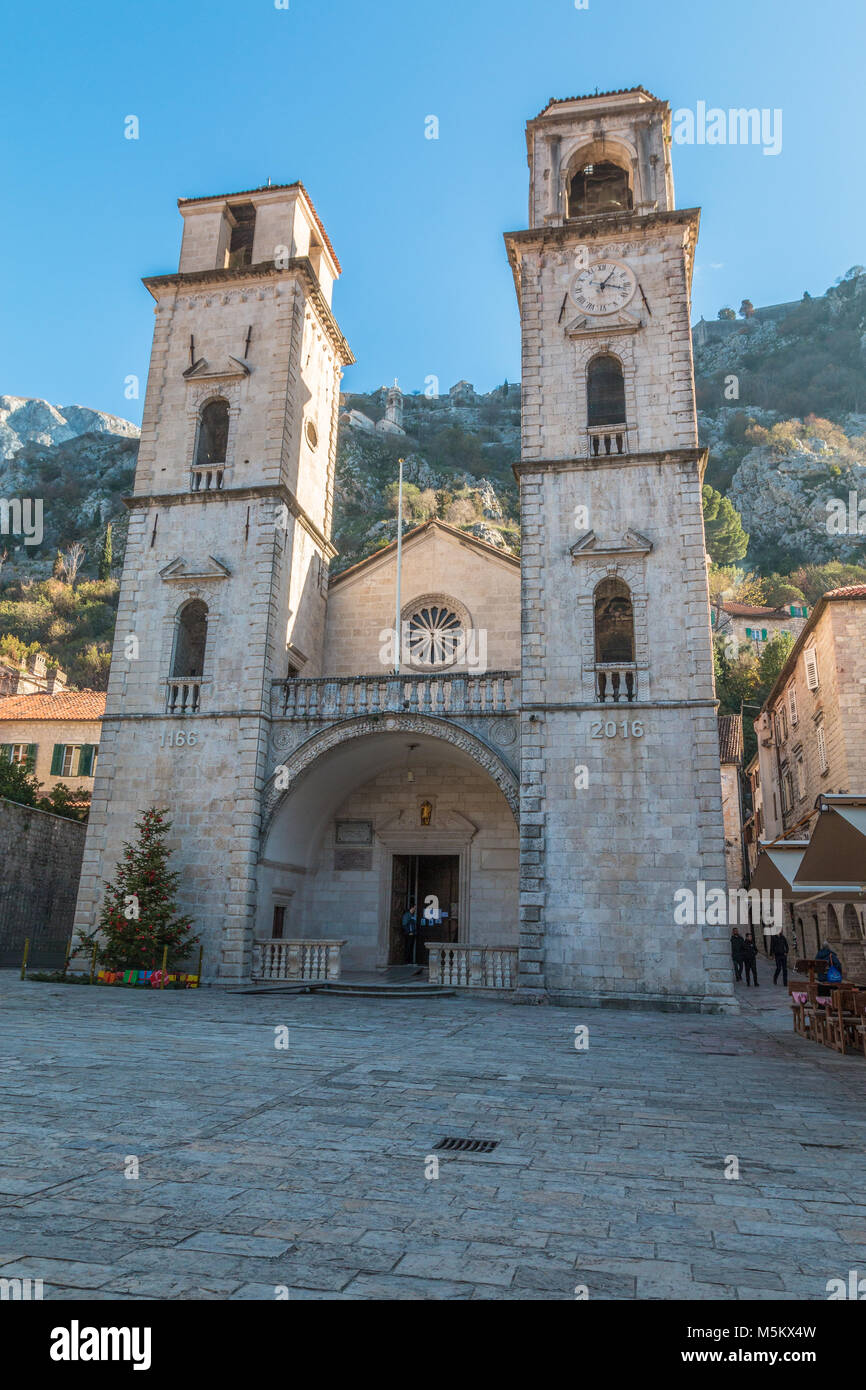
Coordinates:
x,y
303,1169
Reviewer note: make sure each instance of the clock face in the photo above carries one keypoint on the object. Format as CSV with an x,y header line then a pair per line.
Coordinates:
x,y
603,287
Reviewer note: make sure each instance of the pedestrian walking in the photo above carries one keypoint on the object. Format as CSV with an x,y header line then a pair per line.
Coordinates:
x,y
750,956
779,949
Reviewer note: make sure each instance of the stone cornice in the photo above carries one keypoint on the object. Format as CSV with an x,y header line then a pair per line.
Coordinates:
x,y
608,226
696,455
276,491
298,265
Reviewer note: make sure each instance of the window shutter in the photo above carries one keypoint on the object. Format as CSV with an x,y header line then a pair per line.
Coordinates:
x,y
6,752
57,759
763,634
85,760
822,749
748,632
30,760
792,704
810,661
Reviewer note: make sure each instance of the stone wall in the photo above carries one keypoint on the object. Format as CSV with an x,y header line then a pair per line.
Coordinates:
x,y
41,857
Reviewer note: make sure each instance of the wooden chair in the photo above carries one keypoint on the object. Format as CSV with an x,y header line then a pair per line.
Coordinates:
x,y
842,1019
859,1030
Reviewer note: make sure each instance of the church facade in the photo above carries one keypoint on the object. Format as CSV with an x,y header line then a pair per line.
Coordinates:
x,y
530,754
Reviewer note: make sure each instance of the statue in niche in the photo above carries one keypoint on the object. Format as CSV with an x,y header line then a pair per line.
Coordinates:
x,y
426,812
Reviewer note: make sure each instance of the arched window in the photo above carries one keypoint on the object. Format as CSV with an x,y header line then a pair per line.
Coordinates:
x,y
213,434
605,392
599,187
614,622
189,641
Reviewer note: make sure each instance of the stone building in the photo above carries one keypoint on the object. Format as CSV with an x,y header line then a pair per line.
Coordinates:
x,y
529,751
30,677
55,736
812,742
757,624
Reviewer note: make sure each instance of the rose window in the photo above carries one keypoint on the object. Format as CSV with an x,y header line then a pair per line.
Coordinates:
x,y
435,633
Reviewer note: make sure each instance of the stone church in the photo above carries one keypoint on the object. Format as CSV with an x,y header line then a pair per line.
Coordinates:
x,y
531,754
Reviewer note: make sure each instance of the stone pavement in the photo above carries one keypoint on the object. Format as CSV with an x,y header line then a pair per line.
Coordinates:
x,y
304,1169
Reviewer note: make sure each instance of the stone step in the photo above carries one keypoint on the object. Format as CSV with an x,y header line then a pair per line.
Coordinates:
x,y
385,991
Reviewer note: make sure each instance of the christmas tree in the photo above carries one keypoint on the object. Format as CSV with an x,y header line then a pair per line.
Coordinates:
x,y
138,916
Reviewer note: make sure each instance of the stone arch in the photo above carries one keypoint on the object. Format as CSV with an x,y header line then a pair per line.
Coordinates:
x,y
850,923
286,777
600,151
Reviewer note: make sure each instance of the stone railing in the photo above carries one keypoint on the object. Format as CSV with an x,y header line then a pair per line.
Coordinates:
x,y
183,695
615,682
296,960
348,697
603,440
472,967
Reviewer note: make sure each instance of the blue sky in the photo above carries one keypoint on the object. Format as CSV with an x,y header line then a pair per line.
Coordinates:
x,y
336,92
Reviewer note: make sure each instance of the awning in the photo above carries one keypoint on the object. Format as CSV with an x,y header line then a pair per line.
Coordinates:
x,y
777,864
834,864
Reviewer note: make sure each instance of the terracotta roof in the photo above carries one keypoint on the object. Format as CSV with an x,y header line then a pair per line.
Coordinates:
x,y
730,738
66,704
754,610
849,591
270,188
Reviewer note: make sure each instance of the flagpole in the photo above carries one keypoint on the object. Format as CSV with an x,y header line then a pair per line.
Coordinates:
x,y
398,626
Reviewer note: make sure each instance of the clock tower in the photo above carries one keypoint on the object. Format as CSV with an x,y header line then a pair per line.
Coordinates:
x,y
621,820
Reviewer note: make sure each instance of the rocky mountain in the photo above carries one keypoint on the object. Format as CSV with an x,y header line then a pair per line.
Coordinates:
x,y
781,395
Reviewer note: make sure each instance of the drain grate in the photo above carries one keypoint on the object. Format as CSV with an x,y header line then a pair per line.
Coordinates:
x,y
466,1146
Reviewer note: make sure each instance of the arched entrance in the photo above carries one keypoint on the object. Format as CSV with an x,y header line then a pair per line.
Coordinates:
x,y
369,814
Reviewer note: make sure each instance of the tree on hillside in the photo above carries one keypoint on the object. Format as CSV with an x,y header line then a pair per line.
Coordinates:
x,y
730,584
70,562
815,580
779,592
727,542
139,911
772,659
105,557
727,314
747,309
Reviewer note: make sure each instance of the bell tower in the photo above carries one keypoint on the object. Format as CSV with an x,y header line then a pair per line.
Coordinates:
x,y
225,575
620,794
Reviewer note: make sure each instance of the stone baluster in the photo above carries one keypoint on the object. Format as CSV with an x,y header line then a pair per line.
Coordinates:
x,y
349,689
374,703
313,707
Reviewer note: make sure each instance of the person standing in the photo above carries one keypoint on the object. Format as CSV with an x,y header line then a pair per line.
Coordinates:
x,y
779,949
737,953
409,924
750,956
